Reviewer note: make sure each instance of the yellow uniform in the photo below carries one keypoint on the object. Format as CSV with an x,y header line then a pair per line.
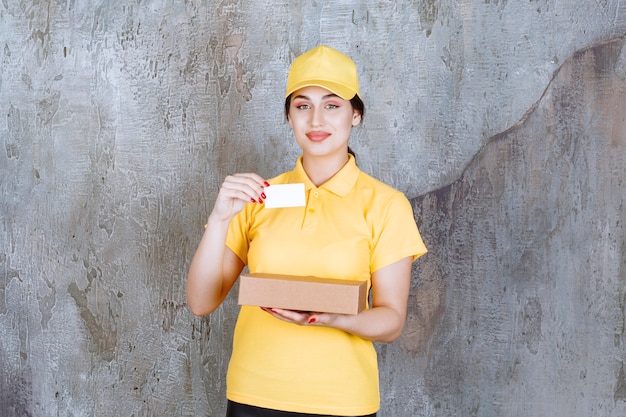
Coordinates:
x,y
351,226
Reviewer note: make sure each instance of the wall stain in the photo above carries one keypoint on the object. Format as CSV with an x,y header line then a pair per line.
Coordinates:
x,y
170,309
47,302
16,131
48,107
103,341
620,65
620,385
424,310
7,274
428,11
531,325
508,231
16,391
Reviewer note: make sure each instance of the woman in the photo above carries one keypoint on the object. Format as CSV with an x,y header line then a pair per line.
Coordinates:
x,y
290,363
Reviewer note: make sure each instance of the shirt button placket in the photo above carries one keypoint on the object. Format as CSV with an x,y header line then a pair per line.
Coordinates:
x,y
311,220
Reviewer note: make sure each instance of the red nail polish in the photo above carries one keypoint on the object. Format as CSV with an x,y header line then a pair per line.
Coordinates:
x,y
253,200
312,320
263,195
267,184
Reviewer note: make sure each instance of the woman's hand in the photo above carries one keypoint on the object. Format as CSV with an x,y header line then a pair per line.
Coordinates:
x,y
236,191
303,318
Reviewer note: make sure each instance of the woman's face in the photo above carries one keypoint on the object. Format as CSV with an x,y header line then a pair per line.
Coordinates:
x,y
321,121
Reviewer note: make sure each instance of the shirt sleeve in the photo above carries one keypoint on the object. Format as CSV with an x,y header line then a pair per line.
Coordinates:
x,y
396,235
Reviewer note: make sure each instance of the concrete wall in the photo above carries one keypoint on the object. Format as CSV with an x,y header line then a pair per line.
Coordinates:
x,y
503,121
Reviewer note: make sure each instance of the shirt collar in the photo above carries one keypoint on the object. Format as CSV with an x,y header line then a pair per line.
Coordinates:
x,y
341,183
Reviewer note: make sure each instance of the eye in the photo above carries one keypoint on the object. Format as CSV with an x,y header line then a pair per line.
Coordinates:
x,y
302,106
332,106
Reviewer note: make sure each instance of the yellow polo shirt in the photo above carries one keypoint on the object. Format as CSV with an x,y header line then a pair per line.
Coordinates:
x,y
351,226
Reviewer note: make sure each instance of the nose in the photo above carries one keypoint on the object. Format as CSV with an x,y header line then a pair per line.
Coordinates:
x,y
317,118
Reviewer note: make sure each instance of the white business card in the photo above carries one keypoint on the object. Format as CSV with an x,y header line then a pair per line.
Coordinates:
x,y
284,195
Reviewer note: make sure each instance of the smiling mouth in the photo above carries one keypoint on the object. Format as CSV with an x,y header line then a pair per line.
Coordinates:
x,y
317,136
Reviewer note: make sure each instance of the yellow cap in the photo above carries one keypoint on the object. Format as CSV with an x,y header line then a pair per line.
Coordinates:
x,y
324,67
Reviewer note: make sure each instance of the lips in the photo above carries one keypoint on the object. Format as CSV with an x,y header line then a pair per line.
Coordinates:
x,y
317,136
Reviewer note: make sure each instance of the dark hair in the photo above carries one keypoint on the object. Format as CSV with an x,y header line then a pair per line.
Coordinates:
x,y
355,101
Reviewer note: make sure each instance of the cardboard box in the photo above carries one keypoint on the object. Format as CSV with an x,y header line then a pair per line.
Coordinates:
x,y
291,292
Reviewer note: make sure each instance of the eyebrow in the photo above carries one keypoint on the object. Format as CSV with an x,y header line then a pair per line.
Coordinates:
x,y
300,96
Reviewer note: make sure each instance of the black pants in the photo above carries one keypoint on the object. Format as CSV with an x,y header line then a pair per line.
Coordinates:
x,y
242,410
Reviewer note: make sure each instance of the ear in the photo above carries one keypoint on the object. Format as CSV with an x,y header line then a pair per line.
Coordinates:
x,y
356,118
289,121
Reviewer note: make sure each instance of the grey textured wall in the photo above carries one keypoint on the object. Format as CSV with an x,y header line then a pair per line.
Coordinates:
x,y
503,121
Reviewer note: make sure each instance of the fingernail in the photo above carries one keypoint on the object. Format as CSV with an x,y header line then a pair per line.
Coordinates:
x,y
312,320
267,184
263,195
253,200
